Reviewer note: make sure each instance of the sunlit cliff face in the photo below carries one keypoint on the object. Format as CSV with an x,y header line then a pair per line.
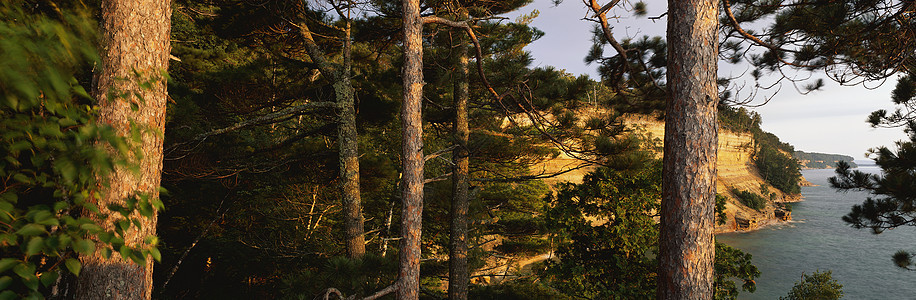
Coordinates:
x,y
735,169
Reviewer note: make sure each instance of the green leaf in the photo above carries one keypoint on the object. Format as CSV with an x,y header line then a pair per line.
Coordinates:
x,y
73,265
5,282
125,252
106,253
9,197
24,270
91,228
7,263
31,229
35,246
8,295
154,252
31,282
138,257
19,146
45,217
48,278
80,91
61,205
124,225
67,169
84,246
9,238
50,129
22,178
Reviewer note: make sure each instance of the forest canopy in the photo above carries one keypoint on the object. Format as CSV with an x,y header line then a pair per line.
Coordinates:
x,y
369,149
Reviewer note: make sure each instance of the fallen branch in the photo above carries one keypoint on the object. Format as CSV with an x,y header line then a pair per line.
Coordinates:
x,y
381,293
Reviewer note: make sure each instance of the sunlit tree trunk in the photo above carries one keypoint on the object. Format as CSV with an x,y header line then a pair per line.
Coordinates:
x,y
411,152
348,141
686,246
458,276
347,137
134,37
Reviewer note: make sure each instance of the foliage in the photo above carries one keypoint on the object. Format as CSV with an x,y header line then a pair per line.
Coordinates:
x,y
749,199
352,277
606,234
893,205
892,202
54,153
721,217
733,263
822,160
817,286
515,290
607,238
778,169
738,120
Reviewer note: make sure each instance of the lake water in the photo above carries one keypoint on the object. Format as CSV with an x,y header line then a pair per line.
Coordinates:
x,y
817,239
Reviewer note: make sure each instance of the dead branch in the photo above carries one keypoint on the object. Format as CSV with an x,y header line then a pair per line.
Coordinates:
x,y
381,293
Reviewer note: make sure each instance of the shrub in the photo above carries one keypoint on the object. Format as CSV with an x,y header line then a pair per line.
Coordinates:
x,y
819,286
750,199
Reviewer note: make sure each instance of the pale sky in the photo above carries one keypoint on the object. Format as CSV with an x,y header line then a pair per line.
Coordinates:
x,y
831,120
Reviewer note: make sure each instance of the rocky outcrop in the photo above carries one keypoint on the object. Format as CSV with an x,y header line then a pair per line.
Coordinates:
x,y
735,170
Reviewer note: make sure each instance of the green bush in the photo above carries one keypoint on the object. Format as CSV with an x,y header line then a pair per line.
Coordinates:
x,y
778,169
750,199
817,286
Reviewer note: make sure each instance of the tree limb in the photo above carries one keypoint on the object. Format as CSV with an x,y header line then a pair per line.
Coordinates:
x,y
479,52
600,12
325,66
255,121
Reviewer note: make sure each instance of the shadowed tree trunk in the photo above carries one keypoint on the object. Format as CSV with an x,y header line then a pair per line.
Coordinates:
x,y
411,152
458,277
686,247
134,37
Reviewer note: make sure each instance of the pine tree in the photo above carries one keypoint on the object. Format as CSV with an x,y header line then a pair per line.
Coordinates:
x,y
892,202
134,64
686,247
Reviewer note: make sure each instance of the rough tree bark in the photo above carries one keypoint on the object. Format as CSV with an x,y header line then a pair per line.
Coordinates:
x,y
347,138
134,37
411,152
349,155
458,277
686,246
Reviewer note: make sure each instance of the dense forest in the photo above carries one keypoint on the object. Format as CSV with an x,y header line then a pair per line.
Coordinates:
x,y
319,149
814,160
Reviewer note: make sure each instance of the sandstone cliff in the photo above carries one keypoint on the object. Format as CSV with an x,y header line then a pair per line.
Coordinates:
x,y
735,168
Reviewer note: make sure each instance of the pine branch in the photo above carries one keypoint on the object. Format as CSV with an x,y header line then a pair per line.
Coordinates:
x,y
254,121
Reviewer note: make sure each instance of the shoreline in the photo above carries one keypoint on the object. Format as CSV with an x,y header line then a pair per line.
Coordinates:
x,y
767,222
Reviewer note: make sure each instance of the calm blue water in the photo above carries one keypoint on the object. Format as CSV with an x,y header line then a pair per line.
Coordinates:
x,y
818,239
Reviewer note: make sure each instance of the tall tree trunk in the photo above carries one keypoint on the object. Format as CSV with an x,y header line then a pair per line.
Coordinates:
x,y
347,136
686,247
411,153
348,141
134,37
458,276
